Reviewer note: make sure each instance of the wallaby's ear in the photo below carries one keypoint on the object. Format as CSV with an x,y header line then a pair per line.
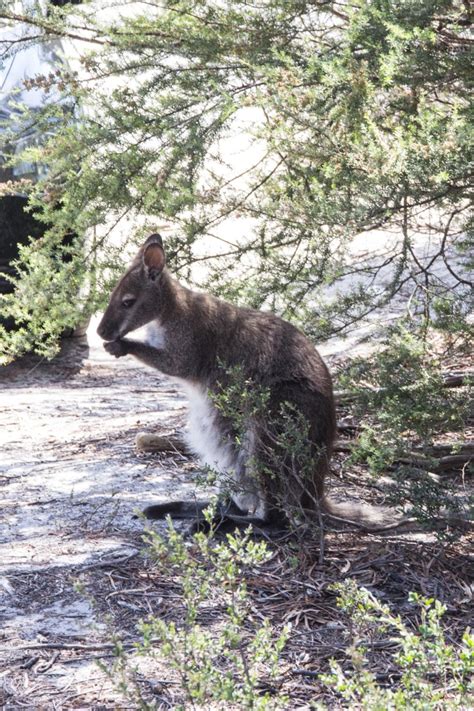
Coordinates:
x,y
155,238
153,256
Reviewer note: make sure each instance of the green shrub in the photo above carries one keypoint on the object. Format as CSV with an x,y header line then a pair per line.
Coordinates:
x,y
226,661
403,408
426,672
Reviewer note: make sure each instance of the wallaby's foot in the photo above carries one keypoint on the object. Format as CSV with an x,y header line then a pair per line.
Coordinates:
x,y
176,509
227,517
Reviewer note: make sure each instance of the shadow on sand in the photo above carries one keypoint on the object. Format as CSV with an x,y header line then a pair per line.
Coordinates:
x,y
68,362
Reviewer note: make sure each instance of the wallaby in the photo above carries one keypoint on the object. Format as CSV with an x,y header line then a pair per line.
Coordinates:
x,y
197,339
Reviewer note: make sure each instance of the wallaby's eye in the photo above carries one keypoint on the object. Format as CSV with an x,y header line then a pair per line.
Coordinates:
x,y
128,301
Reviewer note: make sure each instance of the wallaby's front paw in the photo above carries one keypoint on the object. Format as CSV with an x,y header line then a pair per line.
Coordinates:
x,y
116,348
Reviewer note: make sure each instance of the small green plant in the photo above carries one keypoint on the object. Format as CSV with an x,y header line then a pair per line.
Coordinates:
x,y
403,407
402,388
281,455
227,661
240,399
426,672
428,495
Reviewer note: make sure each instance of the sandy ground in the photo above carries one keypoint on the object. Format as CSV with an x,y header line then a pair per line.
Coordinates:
x,y
70,482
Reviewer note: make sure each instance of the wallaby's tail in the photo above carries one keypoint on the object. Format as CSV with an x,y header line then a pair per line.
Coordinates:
x,y
366,516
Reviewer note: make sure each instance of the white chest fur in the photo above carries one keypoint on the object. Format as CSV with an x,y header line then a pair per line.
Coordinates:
x,y
152,334
204,435
155,334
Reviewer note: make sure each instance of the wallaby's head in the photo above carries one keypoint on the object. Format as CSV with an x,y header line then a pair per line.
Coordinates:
x,y
137,298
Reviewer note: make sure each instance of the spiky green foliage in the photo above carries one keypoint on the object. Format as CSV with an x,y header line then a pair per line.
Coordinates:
x,y
403,407
428,671
358,115
223,663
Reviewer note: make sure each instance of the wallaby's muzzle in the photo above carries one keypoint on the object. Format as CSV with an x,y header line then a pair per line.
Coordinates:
x,y
106,330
